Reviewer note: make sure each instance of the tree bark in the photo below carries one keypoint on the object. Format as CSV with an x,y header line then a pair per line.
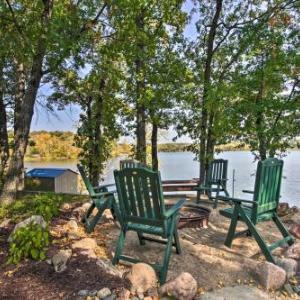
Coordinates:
x,y
204,156
4,149
25,112
141,143
154,147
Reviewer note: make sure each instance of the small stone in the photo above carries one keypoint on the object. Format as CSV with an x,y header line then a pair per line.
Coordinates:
x,y
295,230
65,206
288,288
83,293
142,278
270,276
148,298
105,292
86,243
72,225
288,264
283,209
111,297
183,287
109,268
124,294
60,260
293,251
89,253
93,293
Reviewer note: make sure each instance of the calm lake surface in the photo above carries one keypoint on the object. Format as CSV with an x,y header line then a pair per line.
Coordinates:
x,y
181,165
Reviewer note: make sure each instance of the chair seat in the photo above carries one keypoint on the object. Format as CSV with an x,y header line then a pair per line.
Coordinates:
x,y
146,228
228,213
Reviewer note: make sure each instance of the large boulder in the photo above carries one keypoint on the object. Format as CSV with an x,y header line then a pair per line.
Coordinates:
x,y
60,259
108,267
35,219
183,287
294,229
287,264
80,211
293,251
270,276
142,278
283,209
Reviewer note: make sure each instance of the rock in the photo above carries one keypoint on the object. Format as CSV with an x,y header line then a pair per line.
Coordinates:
x,y
294,229
111,297
72,226
5,223
60,260
83,293
236,293
86,243
293,251
80,211
283,209
287,264
65,206
183,287
270,276
142,278
105,292
35,219
124,294
109,268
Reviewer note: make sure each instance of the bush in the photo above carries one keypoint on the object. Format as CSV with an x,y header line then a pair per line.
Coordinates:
x,y
28,242
46,205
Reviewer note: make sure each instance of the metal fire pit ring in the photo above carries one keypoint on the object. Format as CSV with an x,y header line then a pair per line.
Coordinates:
x,y
193,216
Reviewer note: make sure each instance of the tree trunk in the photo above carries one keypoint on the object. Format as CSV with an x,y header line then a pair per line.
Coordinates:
x,y
204,156
97,165
24,113
4,149
141,143
154,147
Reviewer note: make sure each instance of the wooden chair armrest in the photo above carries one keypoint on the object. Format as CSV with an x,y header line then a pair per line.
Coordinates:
x,y
248,192
174,209
103,188
236,200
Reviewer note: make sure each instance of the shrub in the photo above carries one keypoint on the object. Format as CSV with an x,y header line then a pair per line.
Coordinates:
x,y
28,242
46,205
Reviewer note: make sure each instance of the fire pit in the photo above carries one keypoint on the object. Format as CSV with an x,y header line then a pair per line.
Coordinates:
x,y
193,216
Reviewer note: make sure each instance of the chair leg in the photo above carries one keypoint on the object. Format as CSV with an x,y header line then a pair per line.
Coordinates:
x,y
282,229
232,227
90,226
141,239
88,213
177,242
261,243
163,272
120,246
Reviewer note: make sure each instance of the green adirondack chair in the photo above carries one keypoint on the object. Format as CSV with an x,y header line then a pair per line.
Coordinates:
x,y
143,210
215,182
263,207
102,199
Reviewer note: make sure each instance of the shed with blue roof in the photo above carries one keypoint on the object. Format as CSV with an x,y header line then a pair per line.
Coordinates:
x,y
56,180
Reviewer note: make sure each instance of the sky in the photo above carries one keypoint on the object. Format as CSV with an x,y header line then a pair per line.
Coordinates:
x,y
67,120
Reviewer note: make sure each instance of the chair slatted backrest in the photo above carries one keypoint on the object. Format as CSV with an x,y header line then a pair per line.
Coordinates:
x,y
267,185
86,180
217,172
140,196
131,163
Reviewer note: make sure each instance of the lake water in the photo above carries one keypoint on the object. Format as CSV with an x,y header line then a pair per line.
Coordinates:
x,y
181,165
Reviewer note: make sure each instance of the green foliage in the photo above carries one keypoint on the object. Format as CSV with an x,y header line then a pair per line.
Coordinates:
x,y
28,242
46,205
